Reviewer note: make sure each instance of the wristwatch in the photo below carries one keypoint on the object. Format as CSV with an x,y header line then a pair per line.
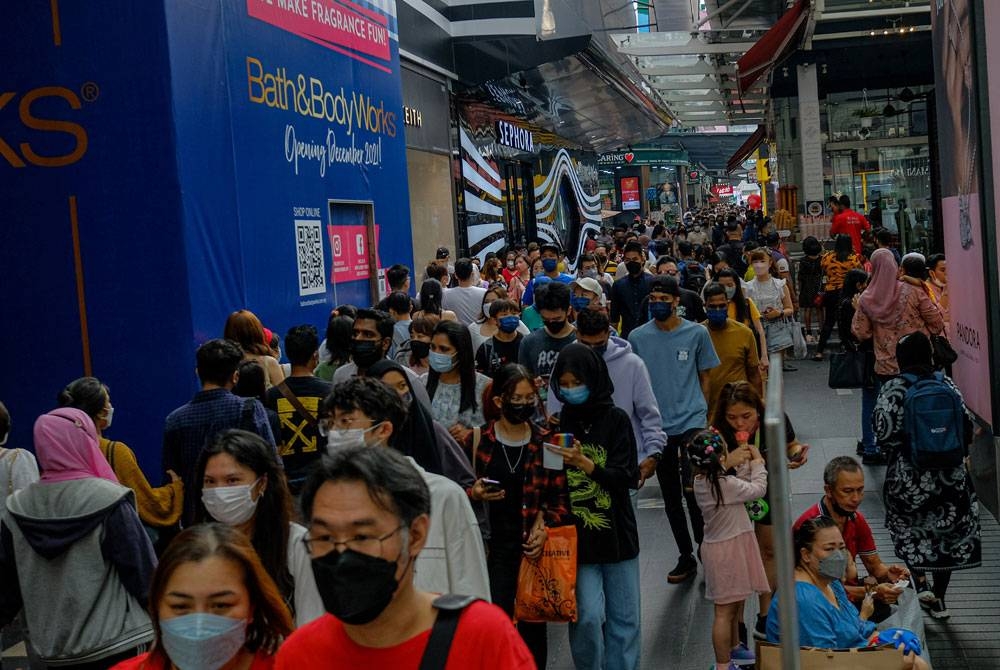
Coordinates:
x,y
658,456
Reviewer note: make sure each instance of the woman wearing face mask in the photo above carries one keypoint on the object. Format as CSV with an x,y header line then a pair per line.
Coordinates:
x,y
744,310
243,486
775,303
602,468
827,619
491,273
213,606
505,344
427,441
415,352
158,507
74,555
525,497
486,326
739,416
519,278
454,386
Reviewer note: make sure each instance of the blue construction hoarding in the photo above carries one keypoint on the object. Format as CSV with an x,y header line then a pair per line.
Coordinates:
x,y
165,163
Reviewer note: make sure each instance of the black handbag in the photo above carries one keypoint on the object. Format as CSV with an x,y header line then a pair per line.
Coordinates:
x,y
944,353
851,369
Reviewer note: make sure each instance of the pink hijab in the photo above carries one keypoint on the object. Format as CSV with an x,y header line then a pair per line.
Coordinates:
x,y
67,448
880,301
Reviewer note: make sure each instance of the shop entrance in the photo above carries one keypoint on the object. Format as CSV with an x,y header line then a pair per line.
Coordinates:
x,y
519,202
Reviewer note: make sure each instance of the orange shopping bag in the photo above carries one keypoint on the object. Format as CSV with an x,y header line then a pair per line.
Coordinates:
x,y
546,586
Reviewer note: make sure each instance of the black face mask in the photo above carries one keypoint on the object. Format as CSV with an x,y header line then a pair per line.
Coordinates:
x,y
518,413
634,267
420,349
600,349
555,326
840,511
366,353
355,587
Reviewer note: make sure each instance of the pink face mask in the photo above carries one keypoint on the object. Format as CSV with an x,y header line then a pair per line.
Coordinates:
x,y
760,268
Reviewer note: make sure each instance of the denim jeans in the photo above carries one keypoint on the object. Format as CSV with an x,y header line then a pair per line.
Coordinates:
x,y
607,633
868,397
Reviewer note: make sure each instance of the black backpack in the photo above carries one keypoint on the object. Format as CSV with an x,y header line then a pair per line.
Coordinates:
x,y
694,276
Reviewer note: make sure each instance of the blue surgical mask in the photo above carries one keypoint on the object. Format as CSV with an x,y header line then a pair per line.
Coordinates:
x,y
441,363
576,395
730,292
579,302
202,641
549,264
509,324
660,311
717,317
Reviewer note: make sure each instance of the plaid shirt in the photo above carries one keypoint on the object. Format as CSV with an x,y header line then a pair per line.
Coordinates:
x,y
189,427
544,490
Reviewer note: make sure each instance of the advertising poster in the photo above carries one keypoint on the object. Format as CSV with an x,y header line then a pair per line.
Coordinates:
x,y
630,193
958,129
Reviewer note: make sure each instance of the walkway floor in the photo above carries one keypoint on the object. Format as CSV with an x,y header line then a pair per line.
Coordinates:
x,y
676,620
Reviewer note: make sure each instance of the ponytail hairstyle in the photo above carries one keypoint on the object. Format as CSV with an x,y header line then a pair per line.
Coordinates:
x,y
706,451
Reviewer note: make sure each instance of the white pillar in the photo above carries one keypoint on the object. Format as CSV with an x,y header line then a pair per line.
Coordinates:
x,y
810,140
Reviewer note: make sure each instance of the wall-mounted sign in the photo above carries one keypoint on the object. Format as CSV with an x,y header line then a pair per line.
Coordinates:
x,y
515,137
723,190
693,175
645,157
630,193
412,117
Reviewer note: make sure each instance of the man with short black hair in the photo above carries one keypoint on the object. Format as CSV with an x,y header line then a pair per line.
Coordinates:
x,y
213,409
399,306
848,222
466,299
550,265
540,349
692,307
629,293
734,344
679,356
365,411
398,278
370,518
733,249
296,400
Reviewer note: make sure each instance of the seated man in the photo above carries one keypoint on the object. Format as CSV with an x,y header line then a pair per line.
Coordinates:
x,y
844,486
368,513
367,412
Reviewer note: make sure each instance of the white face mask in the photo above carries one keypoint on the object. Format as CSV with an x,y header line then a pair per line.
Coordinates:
x,y
5,438
486,309
230,505
107,419
343,438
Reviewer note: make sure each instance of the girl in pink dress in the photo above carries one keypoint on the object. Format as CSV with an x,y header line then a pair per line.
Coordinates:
x,y
734,570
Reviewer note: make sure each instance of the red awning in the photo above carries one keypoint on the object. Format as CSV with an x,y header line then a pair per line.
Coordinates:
x,y
773,46
747,148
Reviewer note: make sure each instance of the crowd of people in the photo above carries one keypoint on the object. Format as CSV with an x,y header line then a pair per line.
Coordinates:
x,y
373,497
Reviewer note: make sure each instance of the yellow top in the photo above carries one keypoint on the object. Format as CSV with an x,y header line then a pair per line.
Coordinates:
x,y
160,506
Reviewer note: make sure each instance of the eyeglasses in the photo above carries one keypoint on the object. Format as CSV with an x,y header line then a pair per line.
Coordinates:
x,y
343,423
321,545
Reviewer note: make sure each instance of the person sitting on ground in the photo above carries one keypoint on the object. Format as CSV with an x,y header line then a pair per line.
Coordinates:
x,y
296,401
827,619
214,408
73,552
244,328
368,512
844,489
212,603
240,483
158,507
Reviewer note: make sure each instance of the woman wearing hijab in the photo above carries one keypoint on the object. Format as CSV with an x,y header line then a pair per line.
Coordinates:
x,y
889,309
932,514
76,544
421,437
601,469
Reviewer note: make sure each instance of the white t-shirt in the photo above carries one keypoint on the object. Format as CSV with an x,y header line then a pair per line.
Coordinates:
x,y
465,301
308,604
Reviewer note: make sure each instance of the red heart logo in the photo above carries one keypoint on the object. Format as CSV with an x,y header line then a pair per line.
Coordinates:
x,y
629,157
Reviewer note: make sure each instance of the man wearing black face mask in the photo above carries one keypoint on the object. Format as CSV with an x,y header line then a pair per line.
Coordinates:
x,y
368,512
370,341
628,293
539,349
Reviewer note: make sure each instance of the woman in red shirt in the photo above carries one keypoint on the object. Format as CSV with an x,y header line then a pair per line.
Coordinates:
x,y
213,605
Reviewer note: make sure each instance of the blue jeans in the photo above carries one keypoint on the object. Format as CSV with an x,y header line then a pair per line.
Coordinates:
x,y
607,634
868,397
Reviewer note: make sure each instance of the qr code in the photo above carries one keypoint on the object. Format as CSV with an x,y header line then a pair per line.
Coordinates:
x,y
309,250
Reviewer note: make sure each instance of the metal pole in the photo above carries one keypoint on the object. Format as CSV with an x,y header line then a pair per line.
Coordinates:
x,y
781,511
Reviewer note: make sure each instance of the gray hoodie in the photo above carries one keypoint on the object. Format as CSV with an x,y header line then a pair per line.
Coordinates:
x,y
76,557
634,394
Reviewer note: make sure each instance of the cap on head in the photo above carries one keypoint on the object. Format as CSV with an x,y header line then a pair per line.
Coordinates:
x,y
589,284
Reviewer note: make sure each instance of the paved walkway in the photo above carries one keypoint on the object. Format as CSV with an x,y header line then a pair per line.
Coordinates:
x,y
676,620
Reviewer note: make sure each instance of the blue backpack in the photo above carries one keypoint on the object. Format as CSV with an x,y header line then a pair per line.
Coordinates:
x,y
933,418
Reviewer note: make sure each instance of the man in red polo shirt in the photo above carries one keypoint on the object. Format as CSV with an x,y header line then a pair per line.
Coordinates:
x,y
368,512
844,486
848,222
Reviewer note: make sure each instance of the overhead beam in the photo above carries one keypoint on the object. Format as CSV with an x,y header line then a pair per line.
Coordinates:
x,y
694,85
700,68
711,97
708,17
693,47
873,13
